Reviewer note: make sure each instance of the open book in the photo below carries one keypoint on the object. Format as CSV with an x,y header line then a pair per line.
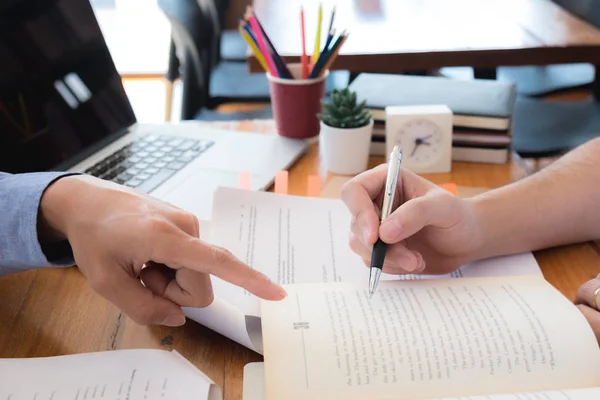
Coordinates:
x,y
294,239
254,389
116,375
429,339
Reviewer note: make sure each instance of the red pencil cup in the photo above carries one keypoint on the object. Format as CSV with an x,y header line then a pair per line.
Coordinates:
x,y
296,103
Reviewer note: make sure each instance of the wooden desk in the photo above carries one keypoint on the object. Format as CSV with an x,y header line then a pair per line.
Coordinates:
x,y
391,35
53,311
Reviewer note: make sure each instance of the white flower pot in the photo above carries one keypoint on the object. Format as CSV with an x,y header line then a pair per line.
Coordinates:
x,y
345,151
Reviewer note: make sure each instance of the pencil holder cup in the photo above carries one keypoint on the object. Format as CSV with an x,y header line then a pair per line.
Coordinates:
x,y
296,103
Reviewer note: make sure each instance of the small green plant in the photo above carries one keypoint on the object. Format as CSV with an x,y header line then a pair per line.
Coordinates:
x,y
343,112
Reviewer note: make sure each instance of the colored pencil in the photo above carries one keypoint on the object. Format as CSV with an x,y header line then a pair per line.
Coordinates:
x,y
279,63
331,19
331,59
276,57
261,44
312,65
316,52
304,57
253,45
248,29
252,36
323,52
323,60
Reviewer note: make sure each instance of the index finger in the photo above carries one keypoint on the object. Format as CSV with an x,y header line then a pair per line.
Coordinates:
x,y
359,192
181,251
359,195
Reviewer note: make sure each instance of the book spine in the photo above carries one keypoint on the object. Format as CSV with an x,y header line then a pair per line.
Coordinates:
x,y
476,139
460,153
461,121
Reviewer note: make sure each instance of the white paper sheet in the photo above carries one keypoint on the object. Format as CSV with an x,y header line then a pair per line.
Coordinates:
x,y
223,318
296,239
122,374
254,381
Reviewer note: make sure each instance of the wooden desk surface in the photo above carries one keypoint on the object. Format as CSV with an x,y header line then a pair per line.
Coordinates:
x,y
392,35
54,312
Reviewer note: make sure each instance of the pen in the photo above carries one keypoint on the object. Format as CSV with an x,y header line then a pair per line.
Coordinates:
x,y
380,248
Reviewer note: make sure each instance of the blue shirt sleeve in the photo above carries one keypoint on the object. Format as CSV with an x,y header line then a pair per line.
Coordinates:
x,y
20,248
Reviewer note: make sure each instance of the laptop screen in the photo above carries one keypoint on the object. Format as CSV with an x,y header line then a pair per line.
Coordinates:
x,y
60,94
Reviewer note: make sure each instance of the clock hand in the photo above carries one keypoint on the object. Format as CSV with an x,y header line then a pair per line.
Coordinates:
x,y
417,143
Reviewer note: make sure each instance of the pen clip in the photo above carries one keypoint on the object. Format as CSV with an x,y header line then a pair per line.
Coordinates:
x,y
391,182
394,170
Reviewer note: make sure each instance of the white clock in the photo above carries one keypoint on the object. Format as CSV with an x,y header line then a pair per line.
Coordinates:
x,y
425,135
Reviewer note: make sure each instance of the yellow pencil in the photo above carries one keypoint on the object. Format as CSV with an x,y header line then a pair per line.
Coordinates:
x,y
315,55
255,50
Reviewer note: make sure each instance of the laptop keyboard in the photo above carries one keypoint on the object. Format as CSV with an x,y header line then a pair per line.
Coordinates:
x,y
149,161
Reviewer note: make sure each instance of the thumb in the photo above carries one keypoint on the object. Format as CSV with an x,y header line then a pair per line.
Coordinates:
x,y
434,208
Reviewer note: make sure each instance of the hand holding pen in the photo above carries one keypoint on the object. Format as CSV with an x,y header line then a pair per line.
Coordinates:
x,y
389,194
426,230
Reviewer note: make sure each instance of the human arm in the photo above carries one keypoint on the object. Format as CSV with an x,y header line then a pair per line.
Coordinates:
x,y
556,206
120,237
435,232
23,244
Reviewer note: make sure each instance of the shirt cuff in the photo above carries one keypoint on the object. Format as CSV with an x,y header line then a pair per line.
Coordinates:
x,y
20,197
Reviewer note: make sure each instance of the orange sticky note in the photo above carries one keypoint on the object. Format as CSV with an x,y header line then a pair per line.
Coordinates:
x,y
314,186
281,182
245,180
451,187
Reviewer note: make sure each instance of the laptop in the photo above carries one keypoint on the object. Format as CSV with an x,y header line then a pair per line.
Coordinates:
x,y
63,107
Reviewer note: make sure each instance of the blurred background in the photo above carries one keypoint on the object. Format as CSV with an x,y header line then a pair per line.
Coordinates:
x,y
549,40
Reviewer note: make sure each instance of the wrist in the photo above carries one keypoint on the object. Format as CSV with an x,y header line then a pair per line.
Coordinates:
x,y
55,204
493,222
488,222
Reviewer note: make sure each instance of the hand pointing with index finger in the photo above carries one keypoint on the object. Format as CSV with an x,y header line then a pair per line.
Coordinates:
x,y
121,238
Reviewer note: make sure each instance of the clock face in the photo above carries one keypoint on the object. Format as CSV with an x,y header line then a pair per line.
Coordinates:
x,y
421,141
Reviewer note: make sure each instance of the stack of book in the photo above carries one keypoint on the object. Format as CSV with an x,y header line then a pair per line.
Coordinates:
x,y
482,110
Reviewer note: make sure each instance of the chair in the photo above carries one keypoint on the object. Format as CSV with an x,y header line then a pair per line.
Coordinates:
x,y
230,44
536,80
542,80
218,81
192,59
548,128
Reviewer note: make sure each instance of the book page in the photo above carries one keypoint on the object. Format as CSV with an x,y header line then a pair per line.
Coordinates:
x,y
116,375
573,394
295,239
254,389
291,239
220,316
426,339
254,381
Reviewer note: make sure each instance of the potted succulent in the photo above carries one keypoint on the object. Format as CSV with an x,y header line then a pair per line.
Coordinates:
x,y
346,130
